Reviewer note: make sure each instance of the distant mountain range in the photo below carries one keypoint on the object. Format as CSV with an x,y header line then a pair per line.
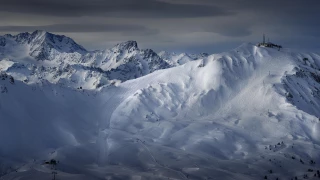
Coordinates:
x,y
34,57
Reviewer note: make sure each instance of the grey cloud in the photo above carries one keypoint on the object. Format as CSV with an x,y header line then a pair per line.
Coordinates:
x,y
124,28
230,27
147,32
233,32
273,9
229,30
111,8
253,5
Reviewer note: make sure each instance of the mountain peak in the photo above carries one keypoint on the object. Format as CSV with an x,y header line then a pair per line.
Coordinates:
x,y
44,45
128,45
60,43
39,32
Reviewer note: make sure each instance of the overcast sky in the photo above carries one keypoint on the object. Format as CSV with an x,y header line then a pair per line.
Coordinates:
x,y
174,25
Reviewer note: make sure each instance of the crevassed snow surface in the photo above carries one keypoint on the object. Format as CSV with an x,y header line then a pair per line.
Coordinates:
x,y
244,114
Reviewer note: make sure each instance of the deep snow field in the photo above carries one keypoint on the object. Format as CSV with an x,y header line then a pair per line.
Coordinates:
x,y
244,114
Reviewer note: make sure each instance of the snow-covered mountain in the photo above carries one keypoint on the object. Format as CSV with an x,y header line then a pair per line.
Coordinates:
x,y
251,113
40,45
58,59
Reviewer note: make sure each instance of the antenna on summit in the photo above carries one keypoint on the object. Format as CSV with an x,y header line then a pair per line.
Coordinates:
x,y
268,44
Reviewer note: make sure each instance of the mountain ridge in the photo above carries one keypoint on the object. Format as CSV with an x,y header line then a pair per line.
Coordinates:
x,y
56,53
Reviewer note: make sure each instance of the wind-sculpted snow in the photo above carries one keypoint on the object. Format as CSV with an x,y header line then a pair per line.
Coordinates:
x,y
303,86
243,114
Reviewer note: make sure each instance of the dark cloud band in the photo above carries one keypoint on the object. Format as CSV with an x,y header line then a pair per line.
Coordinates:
x,y
111,8
80,28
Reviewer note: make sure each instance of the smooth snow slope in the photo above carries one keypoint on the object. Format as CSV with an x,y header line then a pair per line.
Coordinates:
x,y
37,120
234,115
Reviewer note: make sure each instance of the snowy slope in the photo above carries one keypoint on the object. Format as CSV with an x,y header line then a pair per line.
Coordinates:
x,y
226,109
244,114
36,120
176,59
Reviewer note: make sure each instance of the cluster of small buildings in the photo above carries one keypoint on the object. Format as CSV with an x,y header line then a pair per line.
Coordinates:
x,y
268,44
